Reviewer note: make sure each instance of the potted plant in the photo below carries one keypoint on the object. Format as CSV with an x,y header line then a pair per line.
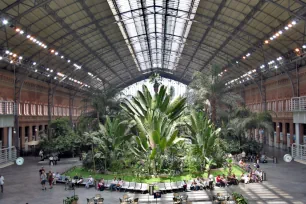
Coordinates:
x,y
239,198
71,200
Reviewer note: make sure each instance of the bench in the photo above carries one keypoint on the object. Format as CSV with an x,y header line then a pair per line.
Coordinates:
x,y
65,179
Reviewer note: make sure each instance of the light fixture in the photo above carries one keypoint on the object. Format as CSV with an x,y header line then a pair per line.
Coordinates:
x,y
55,77
48,75
4,21
52,51
274,36
68,61
1,58
34,40
10,53
20,57
280,32
289,25
248,54
297,49
14,55
17,29
243,57
286,28
34,63
276,67
277,34
47,69
7,52
31,38
62,57
21,32
11,61
279,58
266,41
28,36
45,46
237,62
304,46
51,70
293,22
56,53
35,70
77,66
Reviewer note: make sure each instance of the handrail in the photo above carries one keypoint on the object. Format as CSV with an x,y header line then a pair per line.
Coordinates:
x,y
298,103
8,154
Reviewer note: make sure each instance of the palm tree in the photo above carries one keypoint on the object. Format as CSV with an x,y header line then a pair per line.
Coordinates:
x,y
203,135
155,118
212,88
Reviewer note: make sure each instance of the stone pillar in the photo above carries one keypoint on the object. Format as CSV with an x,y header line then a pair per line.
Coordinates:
x,y
285,136
10,137
277,139
30,133
5,137
22,136
291,133
297,139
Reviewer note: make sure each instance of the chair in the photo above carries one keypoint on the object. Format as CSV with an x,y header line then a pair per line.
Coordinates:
x,y
107,183
184,198
144,187
132,186
174,186
180,184
137,187
90,201
135,201
168,187
125,185
161,187
100,201
122,202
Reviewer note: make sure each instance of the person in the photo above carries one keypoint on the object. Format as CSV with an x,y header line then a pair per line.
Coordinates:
x,y
43,178
194,185
56,177
41,154
1,182
223,180
211,181
89,182
50,179
101,185
232,180
119,184
184,185
245,178
80,180
113,184
41,170
75,179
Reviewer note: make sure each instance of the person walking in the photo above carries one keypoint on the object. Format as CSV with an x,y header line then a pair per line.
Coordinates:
x,y
1,182
43,178
50,179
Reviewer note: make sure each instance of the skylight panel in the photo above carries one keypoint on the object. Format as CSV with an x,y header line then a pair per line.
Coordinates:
x,y
142,24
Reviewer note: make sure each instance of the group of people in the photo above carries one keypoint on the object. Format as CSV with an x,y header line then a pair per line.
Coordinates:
x,y
254,176
226,180
77,180
200,183
47,177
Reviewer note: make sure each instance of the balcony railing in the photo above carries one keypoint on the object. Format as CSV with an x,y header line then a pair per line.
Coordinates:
x,y
7,108
298,104
8,155
298,151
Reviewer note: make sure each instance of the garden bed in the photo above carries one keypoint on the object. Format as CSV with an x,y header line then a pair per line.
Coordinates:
x,y
127,176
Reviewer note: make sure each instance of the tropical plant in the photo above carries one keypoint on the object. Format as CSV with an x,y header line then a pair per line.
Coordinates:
x,y
155,79
212,88
203,135
155,118
239,198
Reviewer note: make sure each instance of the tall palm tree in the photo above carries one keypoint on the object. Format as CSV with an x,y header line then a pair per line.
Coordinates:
x,y
203,135
213,89
155,118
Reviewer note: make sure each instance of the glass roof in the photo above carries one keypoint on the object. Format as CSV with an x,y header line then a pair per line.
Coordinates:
x,y
155,31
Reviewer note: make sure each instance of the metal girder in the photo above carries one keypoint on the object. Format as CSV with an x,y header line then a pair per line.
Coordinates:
x,y
145,20
298,15
65,26
237,29
19,79
205,34
98,27
71,103
164,31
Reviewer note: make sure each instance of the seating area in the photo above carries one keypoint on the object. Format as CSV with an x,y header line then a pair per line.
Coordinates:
x,y
67,180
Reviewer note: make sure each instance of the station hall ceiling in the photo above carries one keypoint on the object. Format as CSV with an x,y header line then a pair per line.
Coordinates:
x,y
113,43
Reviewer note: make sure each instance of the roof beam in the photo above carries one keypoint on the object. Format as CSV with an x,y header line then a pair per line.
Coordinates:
x,y
164,33
237,29
74,34
98,27
205,34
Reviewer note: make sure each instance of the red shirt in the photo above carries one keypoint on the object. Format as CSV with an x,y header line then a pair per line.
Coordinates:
x,y
218,179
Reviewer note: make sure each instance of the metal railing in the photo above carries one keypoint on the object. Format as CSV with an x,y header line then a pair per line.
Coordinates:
x,y
8,155
298,104
298,151
7,108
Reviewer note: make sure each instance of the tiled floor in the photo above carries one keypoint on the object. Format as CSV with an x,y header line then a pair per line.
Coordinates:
x,y
286,184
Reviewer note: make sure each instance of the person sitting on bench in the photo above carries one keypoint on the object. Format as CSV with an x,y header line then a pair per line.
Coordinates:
x,y
80,181
89,182
101,185
113,184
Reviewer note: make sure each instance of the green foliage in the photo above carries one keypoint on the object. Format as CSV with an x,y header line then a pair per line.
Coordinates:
x,y
60,127
70,200
239,198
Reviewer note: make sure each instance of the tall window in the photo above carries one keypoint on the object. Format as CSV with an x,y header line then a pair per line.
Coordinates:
x,y
33,109
39,109
26,109
45,110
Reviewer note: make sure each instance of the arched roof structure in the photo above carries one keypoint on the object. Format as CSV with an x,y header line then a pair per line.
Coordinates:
x,y
119,42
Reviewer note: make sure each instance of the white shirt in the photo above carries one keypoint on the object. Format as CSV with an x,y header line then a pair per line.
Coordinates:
x,y
114,181
211,177
1,180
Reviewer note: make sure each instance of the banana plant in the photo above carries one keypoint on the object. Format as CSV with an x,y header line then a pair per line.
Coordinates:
x,y
203,135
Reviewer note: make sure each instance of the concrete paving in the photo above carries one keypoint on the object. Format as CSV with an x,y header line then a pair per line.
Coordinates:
x,y
286,184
